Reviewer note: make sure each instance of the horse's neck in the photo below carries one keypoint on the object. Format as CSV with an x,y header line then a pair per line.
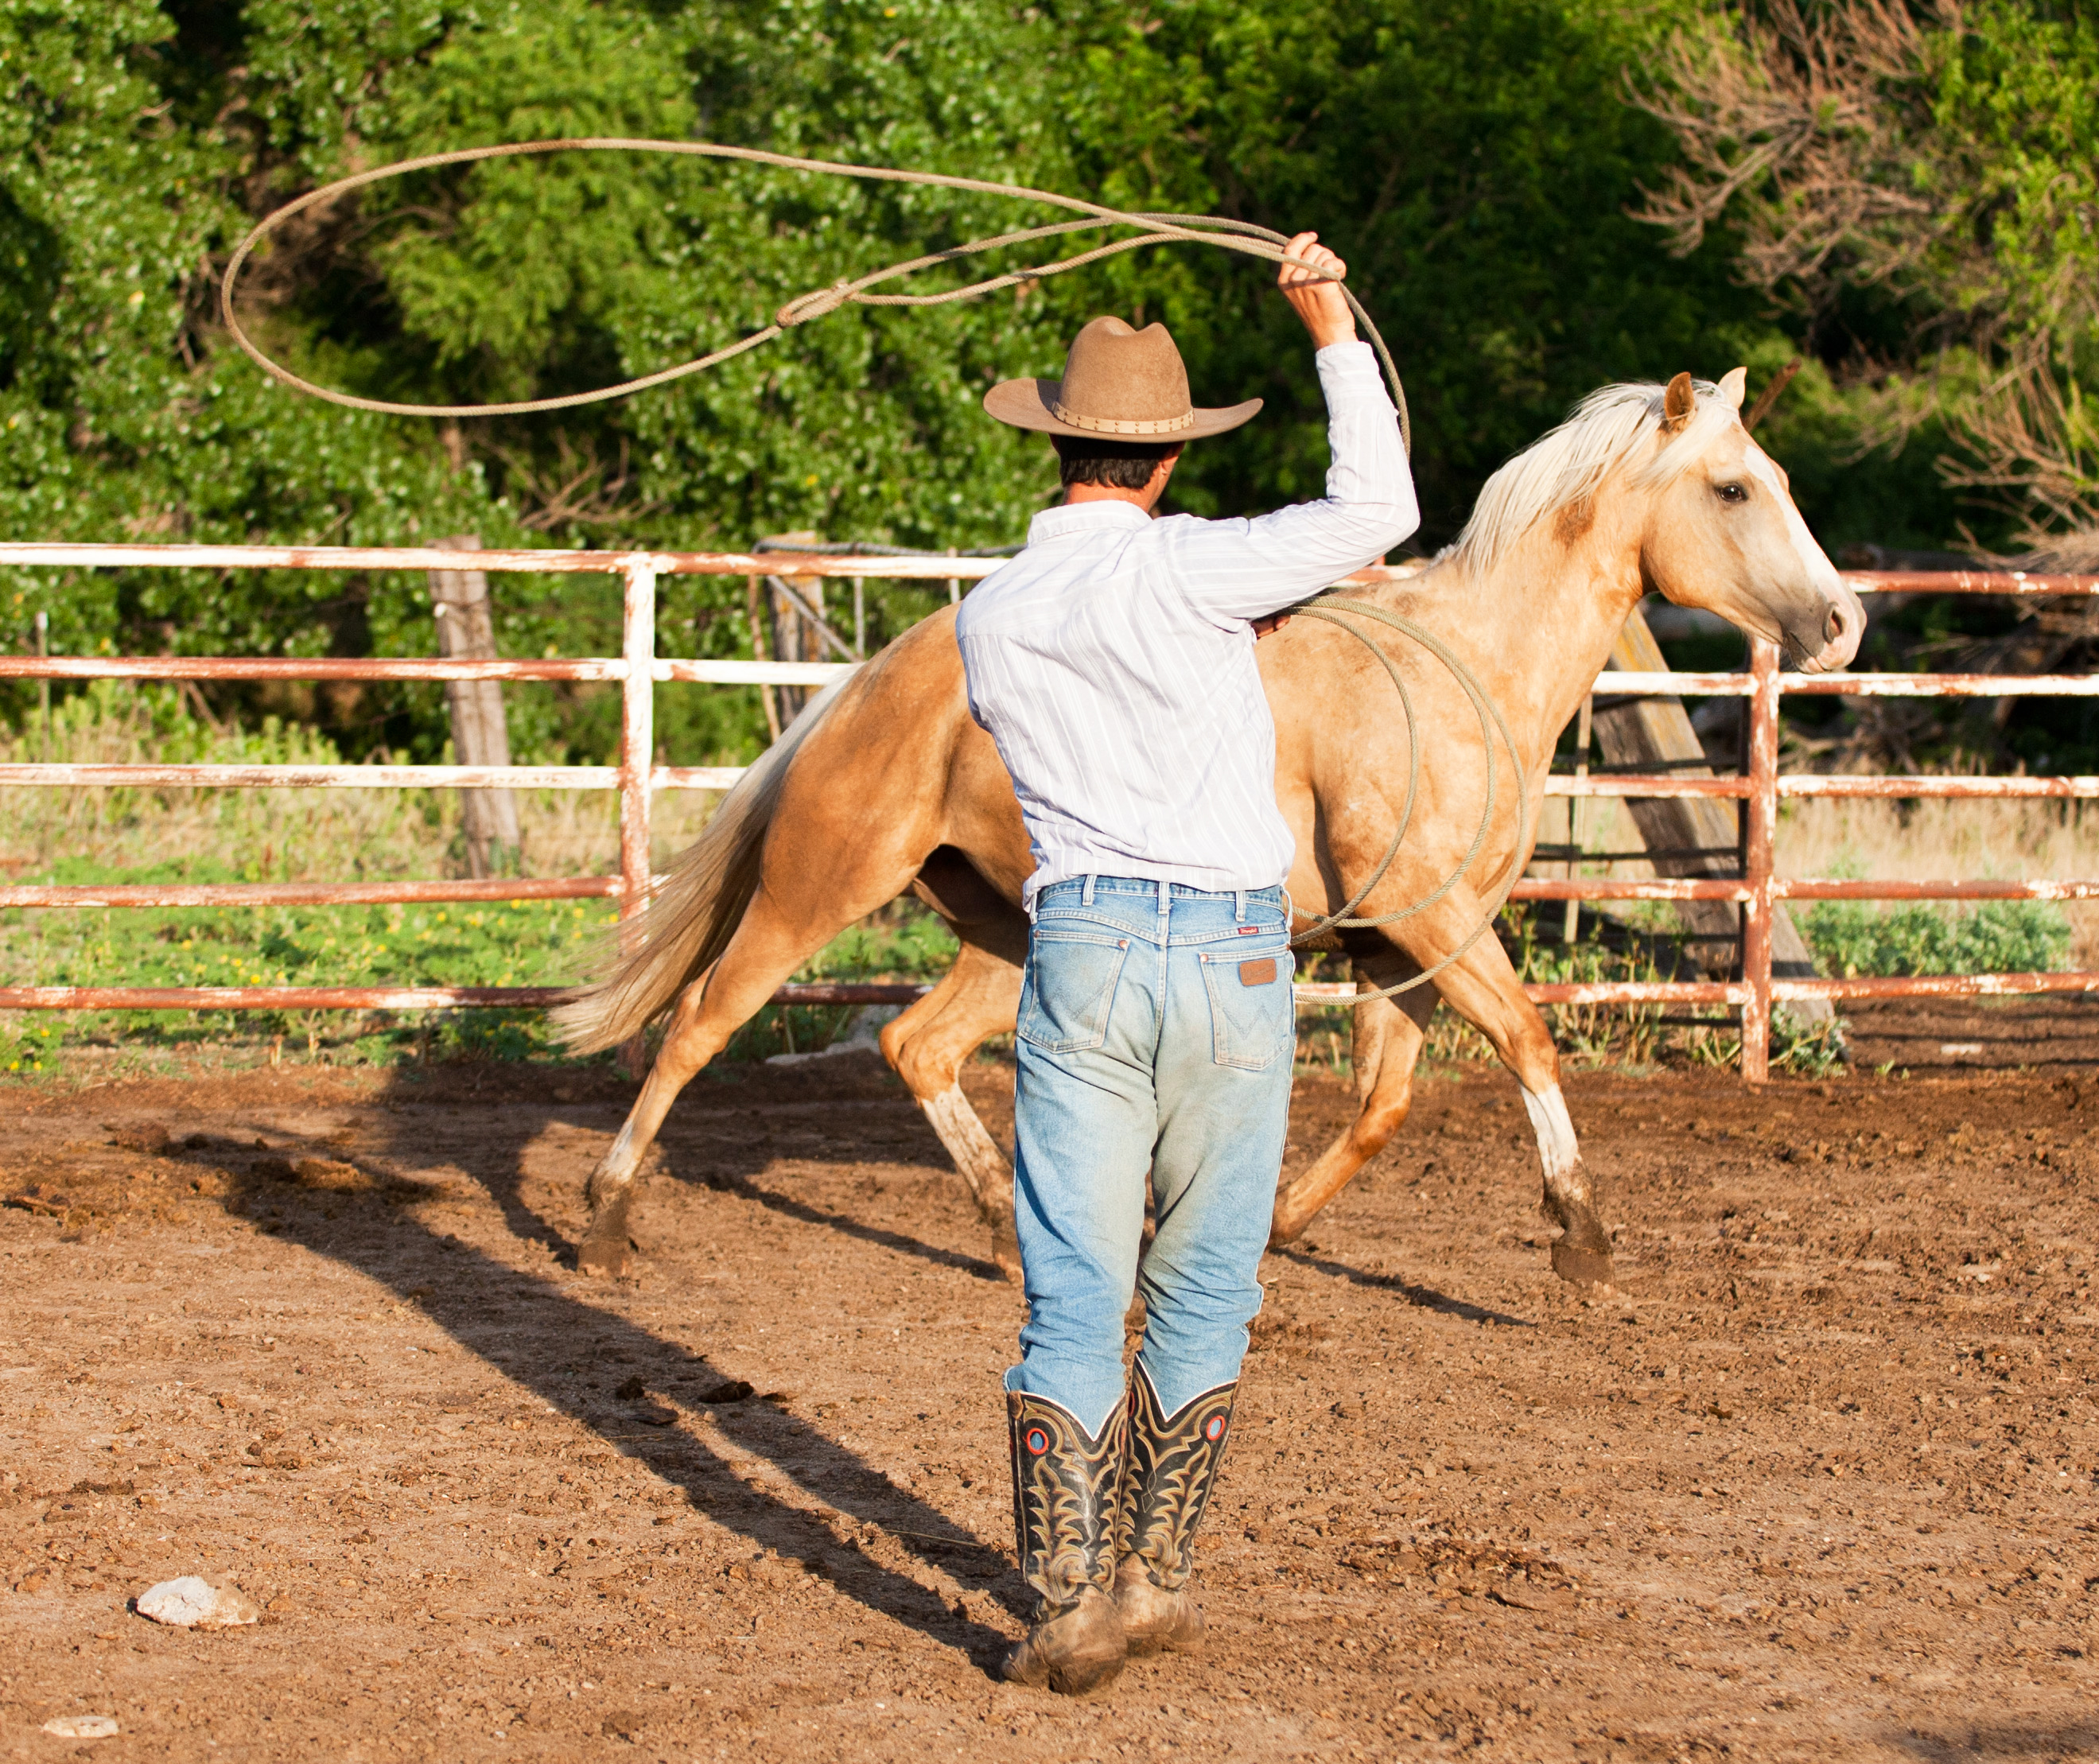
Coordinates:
x,y
1537,628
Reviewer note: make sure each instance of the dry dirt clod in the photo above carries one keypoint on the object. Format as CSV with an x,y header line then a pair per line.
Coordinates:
x,y
83,1727
190,1602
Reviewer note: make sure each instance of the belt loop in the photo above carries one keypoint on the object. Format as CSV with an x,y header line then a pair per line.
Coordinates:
x,y
1238,906
1166,898
1086,893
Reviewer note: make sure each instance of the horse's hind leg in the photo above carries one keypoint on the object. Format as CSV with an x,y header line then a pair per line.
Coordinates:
x,y
1388,1042
979,996
768,946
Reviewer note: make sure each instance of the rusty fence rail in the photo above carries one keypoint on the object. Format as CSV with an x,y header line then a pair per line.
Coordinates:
x,y
638,671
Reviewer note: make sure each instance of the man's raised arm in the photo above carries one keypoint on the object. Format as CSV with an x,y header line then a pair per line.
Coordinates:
x,y
1245,568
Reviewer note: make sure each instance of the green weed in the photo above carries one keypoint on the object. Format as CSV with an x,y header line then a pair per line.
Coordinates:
x,y
1854,937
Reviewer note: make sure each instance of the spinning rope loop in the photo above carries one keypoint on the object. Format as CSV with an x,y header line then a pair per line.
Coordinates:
x,y
1151,229
1241,236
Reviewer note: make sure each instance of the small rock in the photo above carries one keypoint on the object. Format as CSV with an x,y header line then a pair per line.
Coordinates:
x,y
82,1727
633,1388
191,1603
735,1390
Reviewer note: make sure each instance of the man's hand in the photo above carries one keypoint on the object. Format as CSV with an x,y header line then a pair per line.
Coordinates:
x,y
1317,300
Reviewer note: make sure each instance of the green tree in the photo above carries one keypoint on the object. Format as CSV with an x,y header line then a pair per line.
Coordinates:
x,y
1476,160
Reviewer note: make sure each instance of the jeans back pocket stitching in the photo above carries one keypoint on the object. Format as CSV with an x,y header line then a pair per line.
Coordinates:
x,y
1099,1035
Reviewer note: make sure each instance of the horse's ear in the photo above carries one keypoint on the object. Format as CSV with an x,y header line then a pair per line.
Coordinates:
x,y
1677,404
1733,384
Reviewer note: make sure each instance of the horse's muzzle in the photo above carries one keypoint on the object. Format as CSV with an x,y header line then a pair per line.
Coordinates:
x,y
1824,646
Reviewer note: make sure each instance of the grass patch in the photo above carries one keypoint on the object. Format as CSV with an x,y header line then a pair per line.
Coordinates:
x,y
1853,939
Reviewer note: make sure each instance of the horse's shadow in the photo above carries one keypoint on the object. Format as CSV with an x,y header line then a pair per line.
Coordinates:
x,y
695,1150
488,1307
1427,1297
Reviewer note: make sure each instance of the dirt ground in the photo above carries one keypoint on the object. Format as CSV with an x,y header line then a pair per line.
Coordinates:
x,y
1818,1482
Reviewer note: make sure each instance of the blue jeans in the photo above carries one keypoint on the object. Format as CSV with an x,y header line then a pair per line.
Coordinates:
x,y
1156,1033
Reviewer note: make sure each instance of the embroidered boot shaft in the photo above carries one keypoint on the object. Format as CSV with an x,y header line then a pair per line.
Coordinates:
x,y
1173,1466
1065,1487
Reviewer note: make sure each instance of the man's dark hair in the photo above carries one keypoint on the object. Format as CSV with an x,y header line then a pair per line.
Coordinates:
x,y
1110,462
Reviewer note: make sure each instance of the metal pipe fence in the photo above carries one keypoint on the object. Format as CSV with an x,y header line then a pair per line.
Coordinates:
x,y
638,671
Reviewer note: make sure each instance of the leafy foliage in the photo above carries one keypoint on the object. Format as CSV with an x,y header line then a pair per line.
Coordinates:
x,y
1851,938
1918,182
1475,158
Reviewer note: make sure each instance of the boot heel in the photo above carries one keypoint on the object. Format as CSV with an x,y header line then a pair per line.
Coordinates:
x,y
1173,1464
1067,1484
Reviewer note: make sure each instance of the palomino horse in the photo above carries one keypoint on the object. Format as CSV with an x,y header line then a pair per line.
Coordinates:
x,y
884,784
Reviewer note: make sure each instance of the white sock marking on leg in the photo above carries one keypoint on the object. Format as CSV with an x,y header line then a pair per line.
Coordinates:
x,y
1557,1147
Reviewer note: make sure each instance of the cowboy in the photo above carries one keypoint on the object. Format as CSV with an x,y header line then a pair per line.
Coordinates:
x,y
1112,661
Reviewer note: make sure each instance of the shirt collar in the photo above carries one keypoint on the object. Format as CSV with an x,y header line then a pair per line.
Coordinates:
x,y
1072,520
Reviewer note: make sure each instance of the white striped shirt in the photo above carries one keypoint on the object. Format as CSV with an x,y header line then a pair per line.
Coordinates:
x,y
1113,660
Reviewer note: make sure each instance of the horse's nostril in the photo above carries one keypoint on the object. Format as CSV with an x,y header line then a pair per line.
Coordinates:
x,y
1832,627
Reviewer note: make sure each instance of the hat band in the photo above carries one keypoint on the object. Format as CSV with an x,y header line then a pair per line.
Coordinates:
x,y
1116,425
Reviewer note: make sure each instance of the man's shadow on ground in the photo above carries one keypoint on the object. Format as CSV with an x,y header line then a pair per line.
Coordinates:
x,y
487,1307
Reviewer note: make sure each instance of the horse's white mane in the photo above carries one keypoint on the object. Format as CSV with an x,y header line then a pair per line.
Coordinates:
x,y
1571,461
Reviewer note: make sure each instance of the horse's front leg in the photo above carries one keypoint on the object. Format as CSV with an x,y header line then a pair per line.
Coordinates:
x,y
1388,1034
1483,988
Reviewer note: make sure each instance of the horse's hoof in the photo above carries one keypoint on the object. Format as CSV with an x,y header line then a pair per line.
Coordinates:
x,y
1581,1267
605,1248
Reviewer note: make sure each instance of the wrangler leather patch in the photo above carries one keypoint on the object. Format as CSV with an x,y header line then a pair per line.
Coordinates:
x,y
1258,973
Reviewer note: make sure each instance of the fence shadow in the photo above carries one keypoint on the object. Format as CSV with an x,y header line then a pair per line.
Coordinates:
x,y
2002,1739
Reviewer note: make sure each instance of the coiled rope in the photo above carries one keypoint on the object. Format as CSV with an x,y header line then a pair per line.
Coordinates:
x,y
1150,229
1338,610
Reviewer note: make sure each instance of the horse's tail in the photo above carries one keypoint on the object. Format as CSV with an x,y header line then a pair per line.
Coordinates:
x,y
691,918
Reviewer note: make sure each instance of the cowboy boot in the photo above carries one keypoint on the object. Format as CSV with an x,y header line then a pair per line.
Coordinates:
x,y
1173,1463
1065,1489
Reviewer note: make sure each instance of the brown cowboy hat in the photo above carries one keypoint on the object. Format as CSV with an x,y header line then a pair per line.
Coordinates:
x,y
1117,383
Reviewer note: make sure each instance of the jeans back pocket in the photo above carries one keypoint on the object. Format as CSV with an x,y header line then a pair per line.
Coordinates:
x,y
1069,989
1253,1010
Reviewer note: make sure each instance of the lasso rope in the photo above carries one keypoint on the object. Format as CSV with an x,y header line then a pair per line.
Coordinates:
x,y
1151,229
1336,610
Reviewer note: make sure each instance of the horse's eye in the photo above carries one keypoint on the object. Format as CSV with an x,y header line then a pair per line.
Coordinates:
x,y
1732,493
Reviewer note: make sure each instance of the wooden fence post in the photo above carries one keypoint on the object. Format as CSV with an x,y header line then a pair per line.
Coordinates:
x,y
1762,820
795,639
466,627
1689,836
1583,734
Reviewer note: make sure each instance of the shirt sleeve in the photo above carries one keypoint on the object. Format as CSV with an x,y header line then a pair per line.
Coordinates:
x,y
1234,570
